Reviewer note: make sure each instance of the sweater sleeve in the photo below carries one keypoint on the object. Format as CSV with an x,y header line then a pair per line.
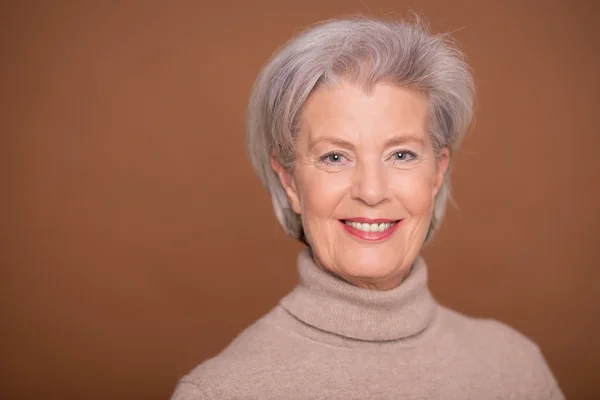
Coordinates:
x,y
543,379
188,390
554,392
518,363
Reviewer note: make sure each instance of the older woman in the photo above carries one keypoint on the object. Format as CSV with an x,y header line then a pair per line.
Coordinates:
x,y
352,127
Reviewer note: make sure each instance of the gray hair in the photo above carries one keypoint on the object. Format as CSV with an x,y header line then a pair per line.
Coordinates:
x,y
362,51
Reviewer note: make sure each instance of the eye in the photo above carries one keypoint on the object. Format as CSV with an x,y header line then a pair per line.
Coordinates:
x,y
333,158
404,156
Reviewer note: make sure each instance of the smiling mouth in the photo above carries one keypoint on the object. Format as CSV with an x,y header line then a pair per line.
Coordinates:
x,y
370,230
370,227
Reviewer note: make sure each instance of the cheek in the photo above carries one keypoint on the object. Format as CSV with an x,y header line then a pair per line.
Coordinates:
x,y
321,196
415,191
321,193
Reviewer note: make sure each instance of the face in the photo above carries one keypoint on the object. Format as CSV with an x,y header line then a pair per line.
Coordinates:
x,y
365,179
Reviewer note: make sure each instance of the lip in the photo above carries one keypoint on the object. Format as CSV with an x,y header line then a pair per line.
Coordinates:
x,y
370,236
369,220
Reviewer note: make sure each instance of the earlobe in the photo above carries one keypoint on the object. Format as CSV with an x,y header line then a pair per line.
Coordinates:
x,y
288,183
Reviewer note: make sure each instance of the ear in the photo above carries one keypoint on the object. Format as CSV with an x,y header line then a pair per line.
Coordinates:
x,y
443,160
288,183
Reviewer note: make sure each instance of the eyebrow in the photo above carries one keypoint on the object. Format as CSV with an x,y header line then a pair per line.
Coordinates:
x,y
332,140
403,139
393,141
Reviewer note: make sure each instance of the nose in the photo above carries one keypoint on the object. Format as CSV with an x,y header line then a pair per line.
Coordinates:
x,y
370,183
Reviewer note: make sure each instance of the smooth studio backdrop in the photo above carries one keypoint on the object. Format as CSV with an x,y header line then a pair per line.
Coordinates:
x,y
136,240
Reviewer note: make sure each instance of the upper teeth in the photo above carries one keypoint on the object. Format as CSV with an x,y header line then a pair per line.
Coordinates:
x,y
370,227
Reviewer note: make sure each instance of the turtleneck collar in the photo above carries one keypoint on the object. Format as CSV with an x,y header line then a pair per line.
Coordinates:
x,y
335,306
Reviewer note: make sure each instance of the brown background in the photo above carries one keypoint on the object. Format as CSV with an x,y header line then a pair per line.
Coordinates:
x,y
136,240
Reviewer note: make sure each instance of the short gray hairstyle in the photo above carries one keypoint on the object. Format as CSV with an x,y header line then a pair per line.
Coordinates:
x,y
363,51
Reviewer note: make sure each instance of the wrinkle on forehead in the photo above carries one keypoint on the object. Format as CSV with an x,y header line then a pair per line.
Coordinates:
x,y
347,112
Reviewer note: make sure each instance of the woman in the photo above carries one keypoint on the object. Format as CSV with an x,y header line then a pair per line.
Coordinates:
x,y
352,127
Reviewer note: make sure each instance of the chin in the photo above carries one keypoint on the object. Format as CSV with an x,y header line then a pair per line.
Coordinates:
x,y
372,267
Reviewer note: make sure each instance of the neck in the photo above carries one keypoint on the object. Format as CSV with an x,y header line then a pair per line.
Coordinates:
x,y
368,283
333,304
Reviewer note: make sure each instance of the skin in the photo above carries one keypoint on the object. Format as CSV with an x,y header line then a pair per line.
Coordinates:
x,y
364,155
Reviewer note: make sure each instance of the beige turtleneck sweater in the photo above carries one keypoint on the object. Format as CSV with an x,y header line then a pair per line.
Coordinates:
x,y
328,339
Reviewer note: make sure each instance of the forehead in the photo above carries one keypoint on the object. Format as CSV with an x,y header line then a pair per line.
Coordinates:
x,y
347,109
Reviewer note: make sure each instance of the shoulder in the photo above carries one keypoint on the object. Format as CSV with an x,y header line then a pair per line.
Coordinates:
x,y
187,389
489,331
506,353
488,337
240,369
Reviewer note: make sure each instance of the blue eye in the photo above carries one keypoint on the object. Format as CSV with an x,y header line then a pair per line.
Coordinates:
x,y
332,158
404,155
